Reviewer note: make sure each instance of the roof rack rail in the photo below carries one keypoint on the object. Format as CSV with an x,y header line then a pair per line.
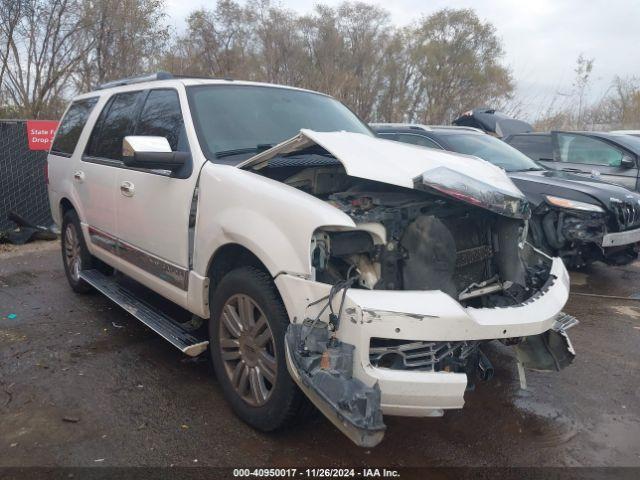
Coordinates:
x,y
143,78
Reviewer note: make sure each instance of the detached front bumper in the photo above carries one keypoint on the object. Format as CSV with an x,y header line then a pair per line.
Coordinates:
x,y
422,316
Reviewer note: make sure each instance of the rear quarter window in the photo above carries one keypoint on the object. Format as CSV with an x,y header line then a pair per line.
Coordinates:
x,y
415,139
71,126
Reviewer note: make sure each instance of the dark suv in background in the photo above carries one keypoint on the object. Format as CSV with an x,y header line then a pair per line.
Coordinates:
x,y
609,156
578,218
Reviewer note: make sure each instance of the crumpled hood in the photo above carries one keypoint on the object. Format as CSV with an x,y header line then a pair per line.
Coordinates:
x,y
558,183
392,162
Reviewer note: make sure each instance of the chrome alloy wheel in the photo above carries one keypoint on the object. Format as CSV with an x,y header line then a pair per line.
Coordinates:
x,y
72,252
247,349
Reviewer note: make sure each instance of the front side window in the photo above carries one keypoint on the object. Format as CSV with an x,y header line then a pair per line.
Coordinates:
x,y
116,121
588,150
161,117
231,118
72,125
417,140
490,149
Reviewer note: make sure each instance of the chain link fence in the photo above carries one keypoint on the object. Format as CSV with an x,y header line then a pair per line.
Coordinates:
x,y
22,187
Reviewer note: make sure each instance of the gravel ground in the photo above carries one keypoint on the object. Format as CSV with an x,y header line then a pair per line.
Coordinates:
x,y
83,384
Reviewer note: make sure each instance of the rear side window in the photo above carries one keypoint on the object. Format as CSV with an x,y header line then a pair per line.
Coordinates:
x,y
417,140
116,121
161,117
71,126
536,147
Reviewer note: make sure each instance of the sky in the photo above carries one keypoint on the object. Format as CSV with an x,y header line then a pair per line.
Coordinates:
x,y
541,38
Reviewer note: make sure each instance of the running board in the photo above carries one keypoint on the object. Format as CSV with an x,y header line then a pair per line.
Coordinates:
x,y
152,317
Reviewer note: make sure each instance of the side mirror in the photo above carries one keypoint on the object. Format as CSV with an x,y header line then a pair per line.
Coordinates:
x,y
628,162
151,152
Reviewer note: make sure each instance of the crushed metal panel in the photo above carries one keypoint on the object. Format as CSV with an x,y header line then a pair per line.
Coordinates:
x,y
261,160
387,161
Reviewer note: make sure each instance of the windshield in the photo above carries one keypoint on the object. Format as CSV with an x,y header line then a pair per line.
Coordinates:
x,y
491,149
236,119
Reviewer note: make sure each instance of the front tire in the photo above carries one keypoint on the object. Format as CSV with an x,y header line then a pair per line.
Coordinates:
x,y
75,255
246,330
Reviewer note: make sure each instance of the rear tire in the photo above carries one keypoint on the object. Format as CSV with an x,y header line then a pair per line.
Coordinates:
x,y
246,330
75,255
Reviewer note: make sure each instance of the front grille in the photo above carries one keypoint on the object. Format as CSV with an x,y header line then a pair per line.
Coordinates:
x,y
626,213
420,355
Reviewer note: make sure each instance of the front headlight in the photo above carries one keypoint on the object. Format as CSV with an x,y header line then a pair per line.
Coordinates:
x,y
573,204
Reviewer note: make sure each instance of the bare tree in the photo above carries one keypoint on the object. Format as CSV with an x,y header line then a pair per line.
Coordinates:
x,y
584,67
129,37
217,43
346,53
11,11
47,44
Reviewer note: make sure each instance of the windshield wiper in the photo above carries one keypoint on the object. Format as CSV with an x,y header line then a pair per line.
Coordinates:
x,y
261,147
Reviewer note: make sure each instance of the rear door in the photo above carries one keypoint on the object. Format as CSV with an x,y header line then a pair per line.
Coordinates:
x,y
154,206
65,174
588,155
99,168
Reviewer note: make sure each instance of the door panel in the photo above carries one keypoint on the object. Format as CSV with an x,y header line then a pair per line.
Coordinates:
x,y
94,184
586,155
153,207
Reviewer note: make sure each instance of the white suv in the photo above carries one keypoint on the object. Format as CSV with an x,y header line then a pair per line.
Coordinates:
x,y
315,258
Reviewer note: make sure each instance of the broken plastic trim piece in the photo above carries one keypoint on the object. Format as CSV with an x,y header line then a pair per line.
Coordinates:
x,y
551,350
457,185
324,374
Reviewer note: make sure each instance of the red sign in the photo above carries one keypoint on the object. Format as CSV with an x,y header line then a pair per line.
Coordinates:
x,y
40,133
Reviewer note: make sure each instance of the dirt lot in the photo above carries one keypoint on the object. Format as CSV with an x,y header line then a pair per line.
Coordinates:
x,y
82,384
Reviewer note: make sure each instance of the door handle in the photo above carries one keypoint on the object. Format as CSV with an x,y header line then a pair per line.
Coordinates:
x,y
78,176
572,170
127,189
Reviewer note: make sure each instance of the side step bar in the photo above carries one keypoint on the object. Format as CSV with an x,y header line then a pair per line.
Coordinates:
x,y
151,316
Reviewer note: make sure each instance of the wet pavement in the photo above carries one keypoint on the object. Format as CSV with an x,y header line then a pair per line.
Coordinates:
x,y
82,383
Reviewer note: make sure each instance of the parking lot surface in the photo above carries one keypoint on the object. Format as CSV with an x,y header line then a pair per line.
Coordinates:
x,y
82,383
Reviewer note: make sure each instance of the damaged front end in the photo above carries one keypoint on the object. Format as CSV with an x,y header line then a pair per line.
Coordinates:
x,y
394,316
582,233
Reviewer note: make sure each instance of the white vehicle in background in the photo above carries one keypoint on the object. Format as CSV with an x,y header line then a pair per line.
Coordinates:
x,y
314,259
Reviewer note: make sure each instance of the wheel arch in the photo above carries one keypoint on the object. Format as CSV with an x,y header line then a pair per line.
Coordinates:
x,y
228,257
64,206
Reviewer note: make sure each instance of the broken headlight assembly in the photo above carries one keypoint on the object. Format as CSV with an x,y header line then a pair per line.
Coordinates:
x,y
475,192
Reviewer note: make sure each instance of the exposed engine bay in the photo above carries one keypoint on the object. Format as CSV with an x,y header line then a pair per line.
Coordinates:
x,y
414,240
